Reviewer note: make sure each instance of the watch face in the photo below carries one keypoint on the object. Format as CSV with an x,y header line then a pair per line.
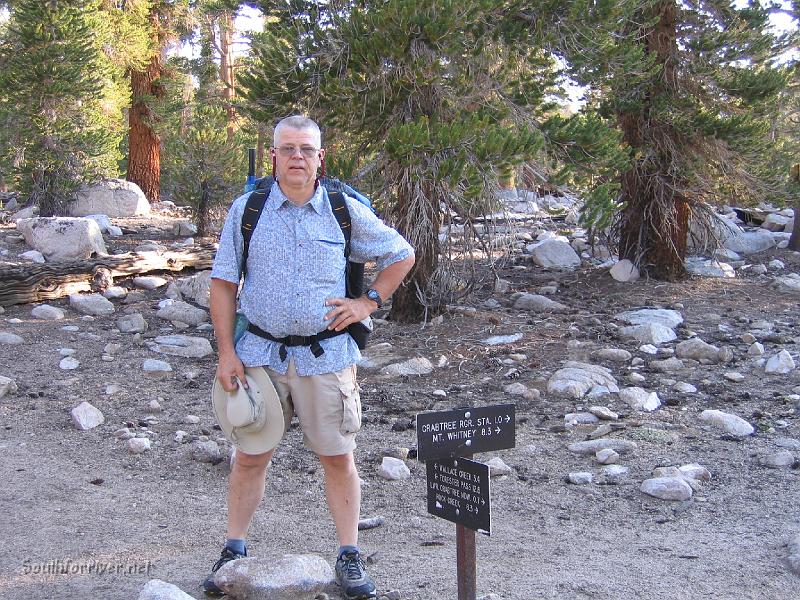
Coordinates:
x,y
374,296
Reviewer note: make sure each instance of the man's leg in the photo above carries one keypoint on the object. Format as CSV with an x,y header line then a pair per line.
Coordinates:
x,y
343,492
245,491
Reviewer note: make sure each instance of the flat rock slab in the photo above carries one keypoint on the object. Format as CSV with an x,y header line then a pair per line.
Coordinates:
x,y
91,304
591,447
731,424
649,333
413,366
291,577
183,312
576,379
661,316
497,340
182,345
155,589
667,488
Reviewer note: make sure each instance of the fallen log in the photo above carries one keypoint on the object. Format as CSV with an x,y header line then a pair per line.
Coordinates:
x,y
23,284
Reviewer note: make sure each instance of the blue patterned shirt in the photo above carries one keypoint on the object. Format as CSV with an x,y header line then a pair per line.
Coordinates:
x,y
295,263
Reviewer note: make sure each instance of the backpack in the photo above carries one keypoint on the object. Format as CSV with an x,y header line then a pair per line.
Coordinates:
x,y
354,271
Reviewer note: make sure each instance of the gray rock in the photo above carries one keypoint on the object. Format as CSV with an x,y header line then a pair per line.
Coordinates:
x,y
777,460
536,302
7,386
47,312
793,548
111,197
497,467
731,424
613,355
695,471
520,389
11,339
290,577
781,363
575,380
606,456
787,283
157,369
590,447
698,350
91,304
667,488
85,416
614,473
580,478
648,333
668,365
33,256
63,238
661,316
788,443
182,345
149,282
138,445
155,589
196,287
183,312
69,364
709,268
580,418
603,412
624,271
206,452
134,323
497,340
755,349
393,469
749,242
183,229
734,376
554,253
413,366
684,388
640,399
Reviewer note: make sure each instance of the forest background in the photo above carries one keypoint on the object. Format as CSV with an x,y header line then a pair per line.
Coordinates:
x,y
429,108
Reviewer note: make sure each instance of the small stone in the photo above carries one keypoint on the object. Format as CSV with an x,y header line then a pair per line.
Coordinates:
x,y
112,349
134,323
91,304
667,488
748,338
85,416
181,436
191,419
47,313
157,369
33,256
111,389
155,589
734,376
520,389
640,399
580,478
154,406
616,355
604,413
12,339
69,364
70,328
614,473
635,377
781,363
498,468
393,469
606,456
413,366
206,452
755,349
7,386
399,453
684,388
590,447
149,282
648,349
695,471
777,460
138,445
731,424
114,292
502,339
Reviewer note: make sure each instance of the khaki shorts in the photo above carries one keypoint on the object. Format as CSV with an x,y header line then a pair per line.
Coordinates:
x,y
328,407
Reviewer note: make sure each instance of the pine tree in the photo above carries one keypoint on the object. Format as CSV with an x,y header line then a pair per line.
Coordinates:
x,y
447,96
693,88
53,83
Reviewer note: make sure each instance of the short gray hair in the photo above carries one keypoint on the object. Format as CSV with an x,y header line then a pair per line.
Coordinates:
x,y
296,122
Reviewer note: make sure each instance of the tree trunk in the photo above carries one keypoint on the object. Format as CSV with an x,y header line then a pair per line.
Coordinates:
x,y
655,219
417,218
226,64
794,241
202,209
144,145
261,145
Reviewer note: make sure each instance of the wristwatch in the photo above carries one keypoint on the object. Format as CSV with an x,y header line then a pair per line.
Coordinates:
x,y
373,295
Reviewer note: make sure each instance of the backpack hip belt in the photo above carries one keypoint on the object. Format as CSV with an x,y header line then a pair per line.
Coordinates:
x,y
297,340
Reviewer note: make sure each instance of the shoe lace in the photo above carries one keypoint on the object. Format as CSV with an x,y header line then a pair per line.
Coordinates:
x,y
227,556
353,565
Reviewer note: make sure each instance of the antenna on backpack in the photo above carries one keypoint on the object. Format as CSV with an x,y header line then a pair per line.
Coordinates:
x,y
250,184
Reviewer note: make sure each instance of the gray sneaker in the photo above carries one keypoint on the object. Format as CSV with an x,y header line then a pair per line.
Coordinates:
x,y
355,582
209,587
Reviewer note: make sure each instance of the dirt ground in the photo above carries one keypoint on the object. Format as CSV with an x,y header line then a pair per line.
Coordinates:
x,y
80,496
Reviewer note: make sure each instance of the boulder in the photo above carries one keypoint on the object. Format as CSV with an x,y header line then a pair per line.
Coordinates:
x,y
781,363
698,350
749,242
731,424
648,333
183,312
554,253
624,271
63,238
775,222
197,287
576,379
290,577
112,197
91,304
393,469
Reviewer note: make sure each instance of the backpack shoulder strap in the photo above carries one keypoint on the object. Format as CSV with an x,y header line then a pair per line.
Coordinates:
x,y
342,214
252,212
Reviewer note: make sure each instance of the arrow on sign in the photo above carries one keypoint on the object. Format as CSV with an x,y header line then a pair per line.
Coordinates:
x,y
497,430
508,418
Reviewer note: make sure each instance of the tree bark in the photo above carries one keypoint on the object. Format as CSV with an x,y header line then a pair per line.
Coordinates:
x,y
655,219
794,240
144,144
226,65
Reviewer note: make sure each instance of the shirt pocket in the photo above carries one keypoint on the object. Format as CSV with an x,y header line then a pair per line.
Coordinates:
x,y
327,261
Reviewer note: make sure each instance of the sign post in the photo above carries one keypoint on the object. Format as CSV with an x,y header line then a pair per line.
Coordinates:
x,y
458,487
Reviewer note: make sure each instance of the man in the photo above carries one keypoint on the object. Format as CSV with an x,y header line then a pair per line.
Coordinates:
x,y
295,286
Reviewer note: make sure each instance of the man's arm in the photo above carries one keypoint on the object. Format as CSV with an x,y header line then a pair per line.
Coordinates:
x,y
348,311
223,317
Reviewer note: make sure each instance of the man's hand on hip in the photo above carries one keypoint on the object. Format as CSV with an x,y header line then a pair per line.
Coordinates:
x,y
229,369
348,311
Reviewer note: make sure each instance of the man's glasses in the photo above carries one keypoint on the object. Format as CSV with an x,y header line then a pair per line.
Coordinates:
x,y
290,151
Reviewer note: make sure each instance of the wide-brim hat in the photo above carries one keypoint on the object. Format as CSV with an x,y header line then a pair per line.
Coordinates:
x,y
252,419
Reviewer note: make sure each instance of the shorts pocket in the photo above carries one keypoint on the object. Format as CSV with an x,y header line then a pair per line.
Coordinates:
x,y
351,406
